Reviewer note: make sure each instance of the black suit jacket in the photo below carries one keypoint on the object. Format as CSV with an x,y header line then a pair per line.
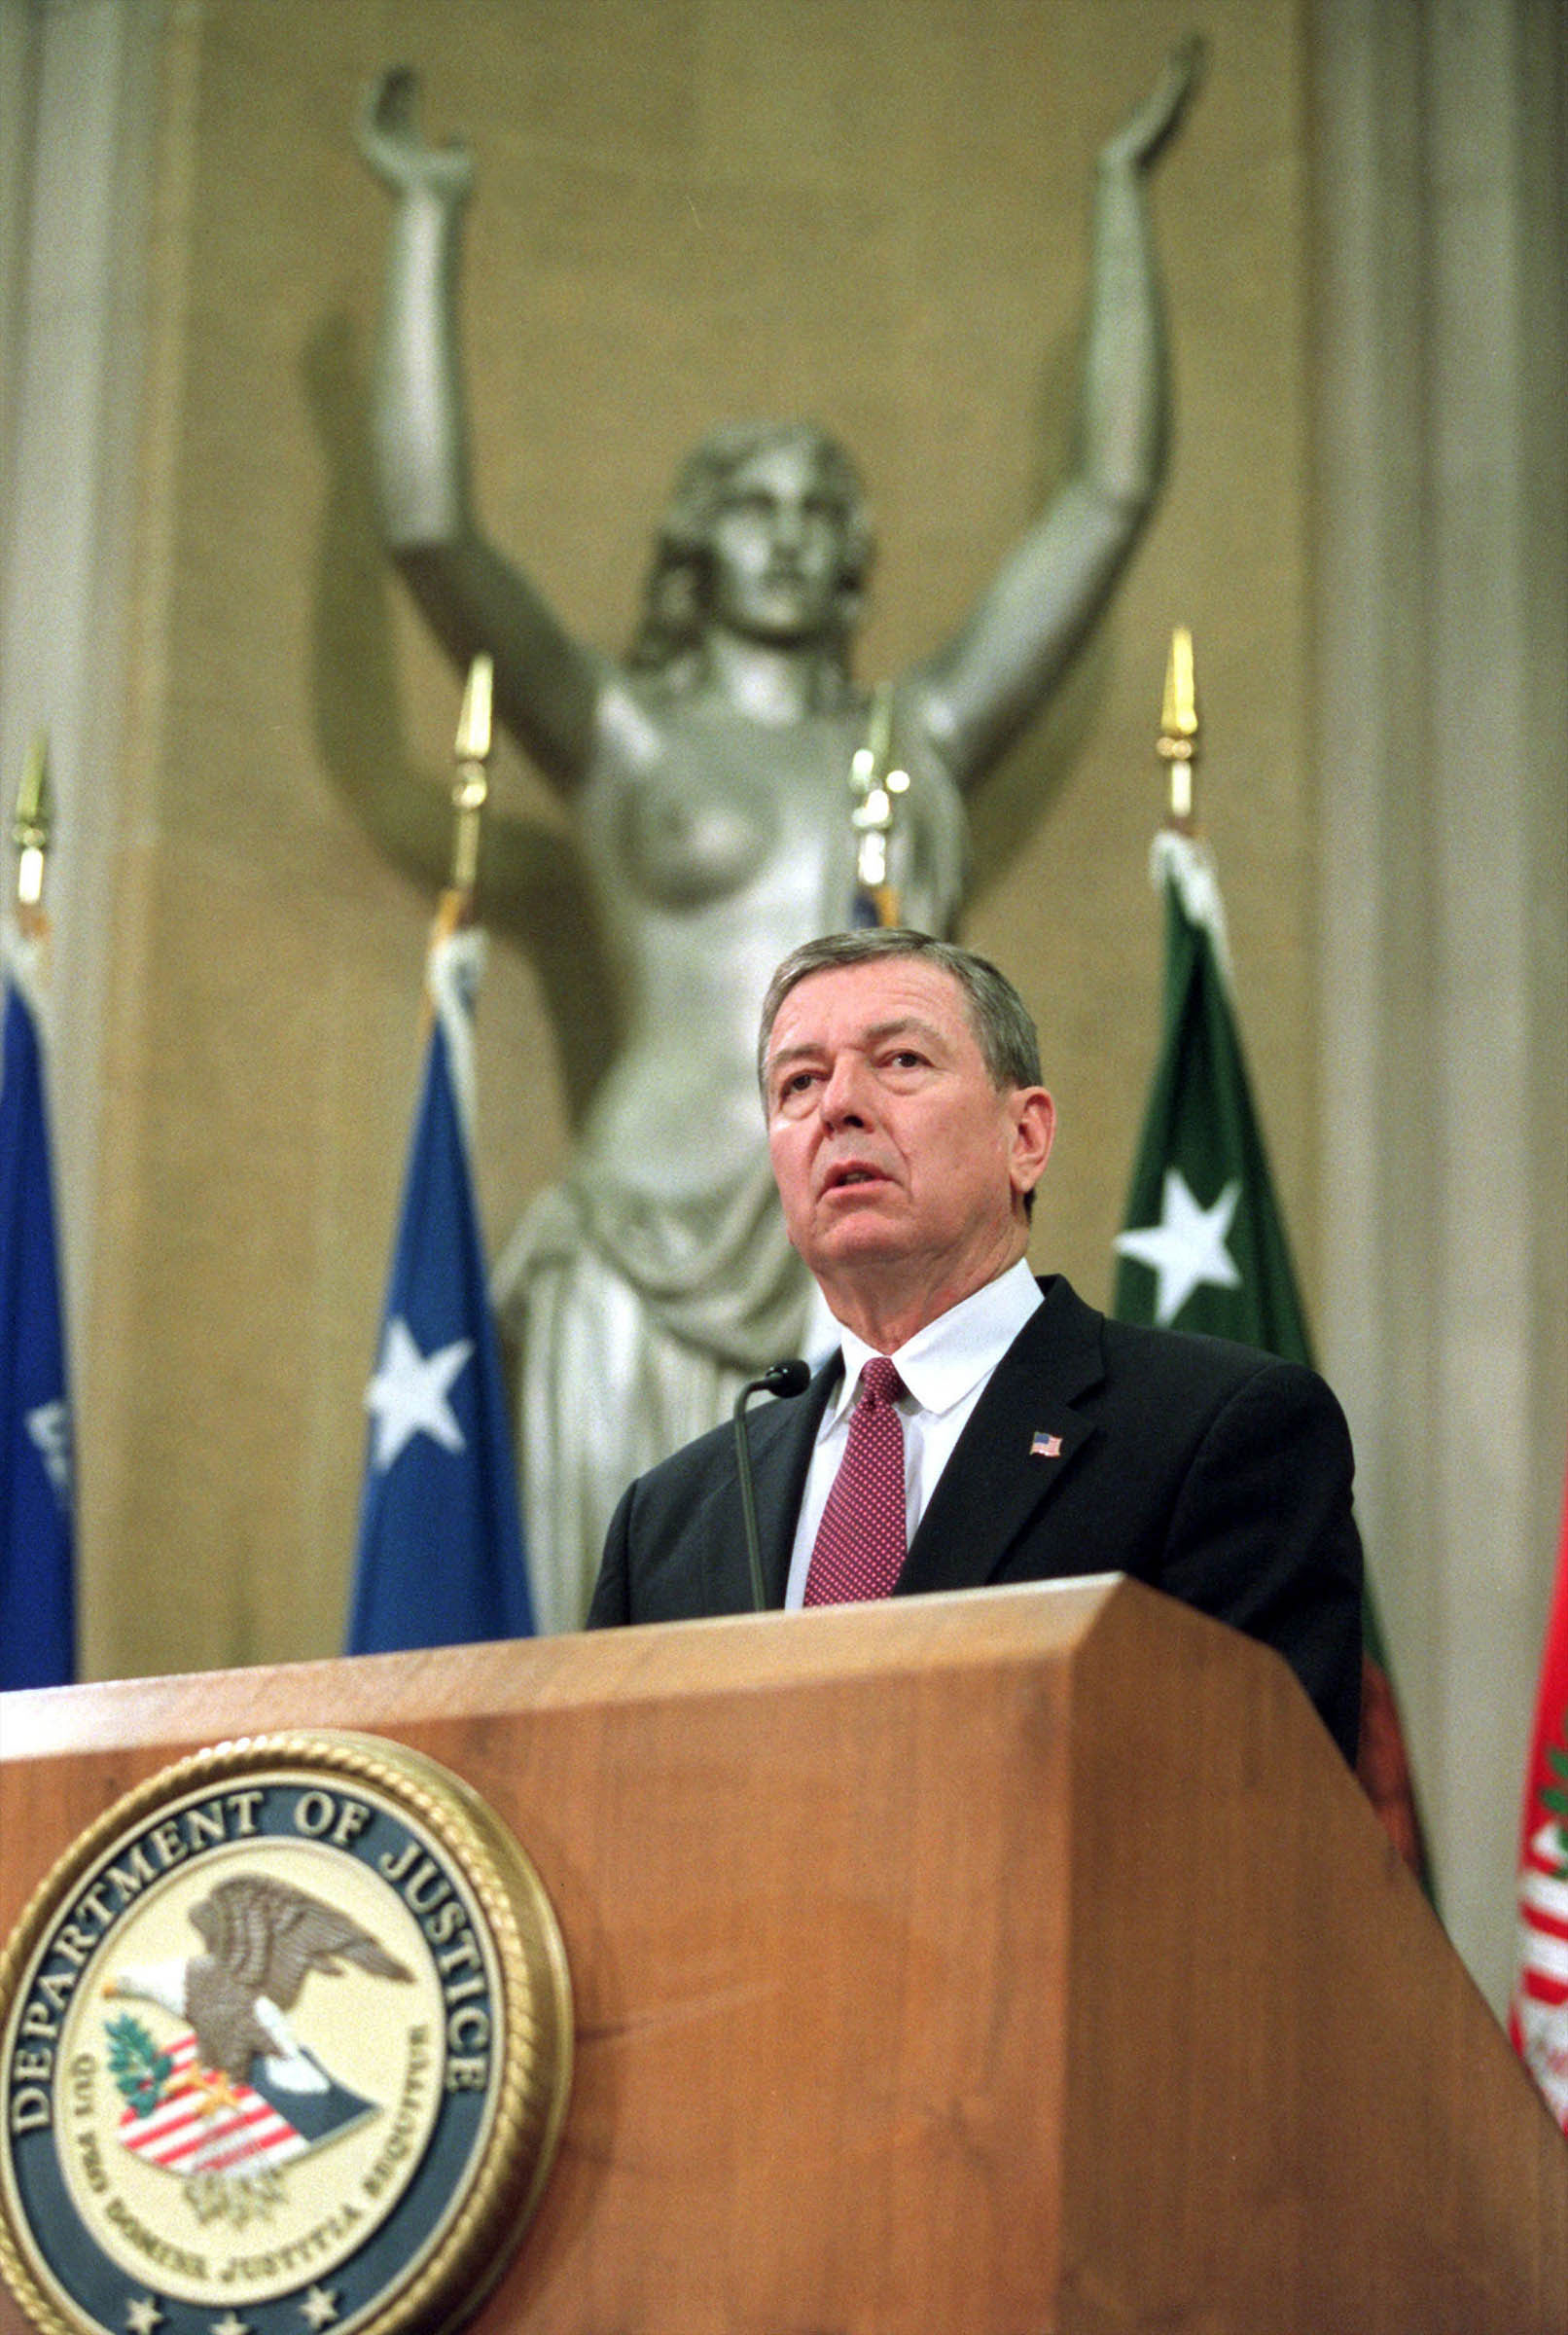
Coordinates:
x,y
1209,1470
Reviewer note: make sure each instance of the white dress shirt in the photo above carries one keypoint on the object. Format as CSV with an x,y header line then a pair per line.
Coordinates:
x,y
945,1368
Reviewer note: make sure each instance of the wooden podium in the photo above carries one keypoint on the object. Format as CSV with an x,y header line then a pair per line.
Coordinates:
x,y
1014,1964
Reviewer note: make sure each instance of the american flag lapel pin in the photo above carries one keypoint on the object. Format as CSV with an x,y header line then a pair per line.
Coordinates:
x,y
1044,1446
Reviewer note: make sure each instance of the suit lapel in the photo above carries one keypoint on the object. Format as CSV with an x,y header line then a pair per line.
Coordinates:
x,y
783,1435
1018,1444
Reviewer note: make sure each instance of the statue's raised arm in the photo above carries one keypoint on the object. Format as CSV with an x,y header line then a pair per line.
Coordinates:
x,y
974,696
546,683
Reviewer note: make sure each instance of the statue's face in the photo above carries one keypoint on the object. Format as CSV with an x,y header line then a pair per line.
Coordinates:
x,y
778,548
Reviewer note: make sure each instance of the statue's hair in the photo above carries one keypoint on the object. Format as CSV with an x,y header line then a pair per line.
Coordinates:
x,y
1004,1030
675,596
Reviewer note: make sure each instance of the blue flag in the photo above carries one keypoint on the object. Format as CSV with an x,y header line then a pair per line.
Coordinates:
x,y
440,1557
37,1573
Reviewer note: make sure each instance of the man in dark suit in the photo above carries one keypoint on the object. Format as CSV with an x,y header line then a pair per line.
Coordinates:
x,y
1032,1439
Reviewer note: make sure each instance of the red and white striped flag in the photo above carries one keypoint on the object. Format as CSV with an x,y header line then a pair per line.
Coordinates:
x,y
1538,2015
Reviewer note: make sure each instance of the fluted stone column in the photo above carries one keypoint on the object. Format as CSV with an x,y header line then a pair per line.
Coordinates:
x,y
1441,661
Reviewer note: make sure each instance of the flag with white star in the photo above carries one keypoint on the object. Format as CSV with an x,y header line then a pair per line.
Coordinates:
x,y
440,1557
37,1569
1204,1247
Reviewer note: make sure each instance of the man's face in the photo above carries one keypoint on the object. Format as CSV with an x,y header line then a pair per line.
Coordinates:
x,y
901,1168
777,546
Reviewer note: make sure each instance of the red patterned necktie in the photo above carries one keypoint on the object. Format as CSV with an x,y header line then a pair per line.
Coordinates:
x,y
860,1544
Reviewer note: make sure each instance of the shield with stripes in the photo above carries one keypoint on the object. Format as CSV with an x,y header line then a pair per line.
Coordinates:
x,y
191,2120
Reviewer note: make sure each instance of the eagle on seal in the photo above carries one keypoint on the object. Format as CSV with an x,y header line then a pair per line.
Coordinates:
x,y
263,1940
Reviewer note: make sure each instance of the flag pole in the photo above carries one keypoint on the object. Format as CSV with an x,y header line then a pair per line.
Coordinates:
x,y
1202,1129
29,834
471,787
1177,743
1179,855
440,1477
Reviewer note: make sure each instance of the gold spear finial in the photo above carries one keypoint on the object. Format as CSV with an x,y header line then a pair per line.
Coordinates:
x,y
29,829
471,784
1177,743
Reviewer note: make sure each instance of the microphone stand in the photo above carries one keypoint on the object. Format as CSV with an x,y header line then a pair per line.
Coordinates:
x,y
782,1379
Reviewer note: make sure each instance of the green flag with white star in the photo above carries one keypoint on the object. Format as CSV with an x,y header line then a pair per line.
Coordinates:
x,y
1204,1247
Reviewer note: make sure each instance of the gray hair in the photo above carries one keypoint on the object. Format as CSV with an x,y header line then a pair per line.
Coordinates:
x,y
1004,1031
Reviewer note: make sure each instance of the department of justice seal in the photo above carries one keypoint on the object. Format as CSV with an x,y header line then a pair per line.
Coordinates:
x,y
285,2045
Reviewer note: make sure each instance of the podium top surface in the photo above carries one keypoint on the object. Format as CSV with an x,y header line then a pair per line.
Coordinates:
x,y
1029,1622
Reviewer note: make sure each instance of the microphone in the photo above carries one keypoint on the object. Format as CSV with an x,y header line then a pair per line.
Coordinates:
x,y
783,1378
